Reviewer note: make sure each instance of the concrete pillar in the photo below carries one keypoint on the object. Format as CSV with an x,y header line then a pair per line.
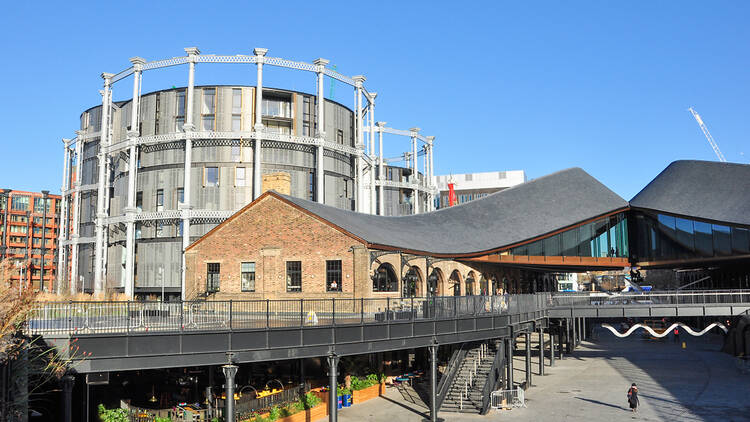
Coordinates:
x,y
75,228
230,371
260,54
63,234
381,168
359,143
187,185
333,362
541,350
321,132
371,150
130,210
415,168
68,381
99,248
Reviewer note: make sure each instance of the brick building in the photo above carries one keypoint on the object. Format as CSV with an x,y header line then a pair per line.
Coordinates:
x,y
28,236
282,247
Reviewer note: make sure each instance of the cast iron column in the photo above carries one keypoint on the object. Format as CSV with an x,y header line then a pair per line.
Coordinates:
x,y
260,54
551,345
381,168
541,350
333,361
527,338
187,187
229,373
320,132
68,381
560,341
583,328
433,383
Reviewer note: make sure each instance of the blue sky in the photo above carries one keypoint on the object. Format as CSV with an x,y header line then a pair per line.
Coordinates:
x,y
539,86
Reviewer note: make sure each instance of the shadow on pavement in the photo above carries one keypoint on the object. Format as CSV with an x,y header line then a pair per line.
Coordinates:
x,y
602,403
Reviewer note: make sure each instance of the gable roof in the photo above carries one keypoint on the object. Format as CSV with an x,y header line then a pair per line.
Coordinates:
x,y
520,213
704,189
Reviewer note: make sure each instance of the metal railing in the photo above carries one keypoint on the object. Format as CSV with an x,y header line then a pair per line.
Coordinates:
x,y
508,398
131,317
696,297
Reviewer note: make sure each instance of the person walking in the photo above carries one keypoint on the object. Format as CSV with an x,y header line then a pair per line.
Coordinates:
x,y
633,397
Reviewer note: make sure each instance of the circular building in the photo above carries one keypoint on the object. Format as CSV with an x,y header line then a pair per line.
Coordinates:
x,y
145,177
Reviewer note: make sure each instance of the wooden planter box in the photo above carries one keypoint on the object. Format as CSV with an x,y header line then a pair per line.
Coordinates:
x,y
368,393
311,415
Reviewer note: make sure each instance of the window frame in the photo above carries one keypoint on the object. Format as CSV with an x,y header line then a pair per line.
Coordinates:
x,y
251,274
292,274
244,177
205,176
213,278
334,274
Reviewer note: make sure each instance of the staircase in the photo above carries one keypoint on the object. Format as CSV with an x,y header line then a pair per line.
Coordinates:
x,y
466,393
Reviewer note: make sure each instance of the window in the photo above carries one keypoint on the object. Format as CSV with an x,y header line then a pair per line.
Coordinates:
x,y
180,114
340,136
39,205
294,276
137,230
139,201
284,128
236,101
248,277
159,228
236,153
211,176
277,107
208,108
236,123
239,176
311,186
212,277
385,279
180,193
157,112
306,116
179,228
159,200
333,276
19,203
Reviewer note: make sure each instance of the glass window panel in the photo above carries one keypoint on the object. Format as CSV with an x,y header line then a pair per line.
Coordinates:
x,y
212,176
236,123
160,200
585,233
535,248
703,238
722,240
740,240
236,100
667,232
552,246
239,176
333,276
570,242
684,235
248,276
294,276
209,97
236,153
599,244
212,277
207,122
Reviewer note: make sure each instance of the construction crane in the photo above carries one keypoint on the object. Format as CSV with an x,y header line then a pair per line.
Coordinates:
x,y
708,135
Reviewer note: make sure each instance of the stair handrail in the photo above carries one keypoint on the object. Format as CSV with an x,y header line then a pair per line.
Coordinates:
x,y
450,374
490,383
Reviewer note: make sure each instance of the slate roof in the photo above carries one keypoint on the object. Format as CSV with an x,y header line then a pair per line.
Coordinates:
x,y
520,213
705,189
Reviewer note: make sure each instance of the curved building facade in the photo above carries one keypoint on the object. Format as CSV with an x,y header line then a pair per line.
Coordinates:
x,y
145,177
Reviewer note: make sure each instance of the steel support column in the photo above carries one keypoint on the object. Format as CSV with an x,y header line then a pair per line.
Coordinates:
x,y
371,151
320,133
187,185
260,54
45,200
560,339
381,169
527,339
229,373
130,211
67,383
99,249
433,349
75,225
359,143
541,350
415,169
333,362
509,347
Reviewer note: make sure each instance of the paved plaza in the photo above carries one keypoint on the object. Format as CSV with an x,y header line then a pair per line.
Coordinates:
x,y
698,383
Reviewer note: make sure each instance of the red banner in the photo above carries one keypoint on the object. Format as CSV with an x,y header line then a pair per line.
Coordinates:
x,y
451,195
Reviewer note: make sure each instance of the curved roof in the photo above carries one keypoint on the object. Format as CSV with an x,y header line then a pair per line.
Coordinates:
x,y
504,218
704,189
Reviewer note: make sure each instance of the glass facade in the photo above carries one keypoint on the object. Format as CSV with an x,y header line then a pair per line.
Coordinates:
x,y
665,237
606,237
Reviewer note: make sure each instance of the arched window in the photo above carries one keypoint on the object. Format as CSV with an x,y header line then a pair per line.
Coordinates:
x,y
469,283
455,282
412,281
483,285
434,281
385,279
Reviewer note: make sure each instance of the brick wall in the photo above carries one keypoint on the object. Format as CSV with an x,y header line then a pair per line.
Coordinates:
x,y
270,233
